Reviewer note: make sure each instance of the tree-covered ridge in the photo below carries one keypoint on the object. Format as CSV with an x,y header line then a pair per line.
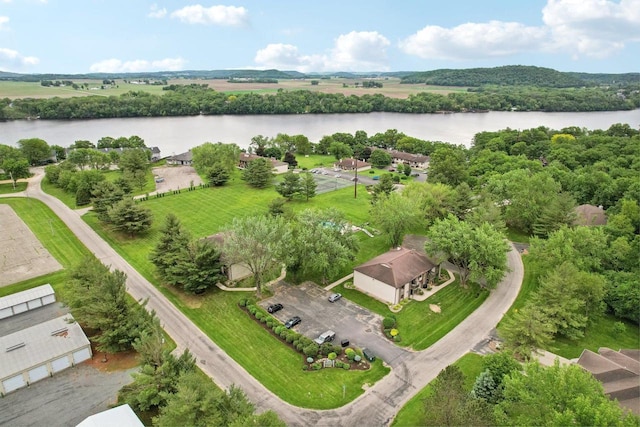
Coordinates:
x,y
197,99
516,75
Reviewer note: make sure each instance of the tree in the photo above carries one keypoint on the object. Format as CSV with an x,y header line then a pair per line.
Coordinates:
x,y
479,252
259,243
308,186
488,385
394,215
623,295
407,170
450,404
258,173
203,269
380,159
384,187
36,150
133,160
16,169
104,195
129,217
259,143
340,150
208,155
558,395
436,201
171,250
217,175
290,185
321,243
527,331
61,153
290,159
448,165
79,157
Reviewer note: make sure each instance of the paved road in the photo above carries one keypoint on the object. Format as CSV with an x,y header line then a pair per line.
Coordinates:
x,y
376,407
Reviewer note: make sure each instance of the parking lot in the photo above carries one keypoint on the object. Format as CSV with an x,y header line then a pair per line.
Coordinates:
x,y
349,321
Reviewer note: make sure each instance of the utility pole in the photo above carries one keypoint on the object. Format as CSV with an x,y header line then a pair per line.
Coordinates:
x,y
355,181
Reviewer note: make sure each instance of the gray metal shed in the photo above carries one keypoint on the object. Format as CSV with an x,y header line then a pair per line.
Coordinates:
x,y
40,351
20,302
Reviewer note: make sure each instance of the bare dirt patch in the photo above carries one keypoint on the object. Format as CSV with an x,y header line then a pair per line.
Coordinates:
x,y
110,362
435,308
175,178
22,256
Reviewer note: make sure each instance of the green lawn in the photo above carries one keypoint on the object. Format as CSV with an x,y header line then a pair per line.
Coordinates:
x,y
517,236
412,414
8,188
419,326
315,160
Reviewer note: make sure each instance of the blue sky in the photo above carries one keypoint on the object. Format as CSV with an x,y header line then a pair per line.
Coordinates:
x,y
80,36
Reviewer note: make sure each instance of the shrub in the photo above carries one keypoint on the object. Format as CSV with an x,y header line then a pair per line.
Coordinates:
x,y
283,333
350,352
264,319
252,309
309,359
346,366
337,349
618,328
394,332
326,348
289,338
277,329
243,302
311,349
270,323
317,366
259,315
357,358
332,356
397,338
388,323
305,368
296,342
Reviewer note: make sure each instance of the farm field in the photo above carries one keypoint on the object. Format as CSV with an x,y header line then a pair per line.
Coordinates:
x,y
391,88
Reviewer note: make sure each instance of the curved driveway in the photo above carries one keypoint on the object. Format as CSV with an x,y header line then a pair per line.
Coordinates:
x,y
376,407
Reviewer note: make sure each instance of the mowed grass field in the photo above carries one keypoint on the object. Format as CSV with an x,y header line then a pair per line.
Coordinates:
x,y
391,88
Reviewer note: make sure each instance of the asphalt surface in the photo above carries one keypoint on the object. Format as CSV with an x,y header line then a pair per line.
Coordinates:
x,y
375,407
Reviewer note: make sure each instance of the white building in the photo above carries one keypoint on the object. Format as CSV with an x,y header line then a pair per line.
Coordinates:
x,y
20,302
121,416
40,351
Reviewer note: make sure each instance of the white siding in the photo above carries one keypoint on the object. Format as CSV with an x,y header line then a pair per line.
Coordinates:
x,y
49,299
6,312
60,364
13,383
81,355
379,290
36,374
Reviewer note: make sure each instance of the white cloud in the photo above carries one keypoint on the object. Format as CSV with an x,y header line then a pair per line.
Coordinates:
x,y
595,28
217,15
12,60
155,12
355,51
3,21
118,66
472,41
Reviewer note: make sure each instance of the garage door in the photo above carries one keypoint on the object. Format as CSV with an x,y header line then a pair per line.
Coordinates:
x,y
49,299
34,304
81,355
6,312
20,308
13,383
60,364
36,374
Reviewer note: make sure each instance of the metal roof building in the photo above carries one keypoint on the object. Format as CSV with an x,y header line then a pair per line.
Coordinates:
x,y
26,300
40,351
121,416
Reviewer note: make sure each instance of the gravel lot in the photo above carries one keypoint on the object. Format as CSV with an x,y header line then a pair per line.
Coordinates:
x,y
175,177
348,320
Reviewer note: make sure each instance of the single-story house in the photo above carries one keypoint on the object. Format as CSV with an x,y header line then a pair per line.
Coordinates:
x,y
278,166
35,353
29,299
619,373
394,275
234,272
590,215
416,161
352,165
184,159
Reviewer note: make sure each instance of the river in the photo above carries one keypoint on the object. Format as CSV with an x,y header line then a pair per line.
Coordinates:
x,y
174,135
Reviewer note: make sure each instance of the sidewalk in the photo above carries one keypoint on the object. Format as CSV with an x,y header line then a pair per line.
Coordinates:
x,y
427,293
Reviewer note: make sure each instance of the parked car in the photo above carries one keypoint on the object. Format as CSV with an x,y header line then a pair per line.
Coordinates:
x,y
334,297
292,322
274,308
325,337
368,354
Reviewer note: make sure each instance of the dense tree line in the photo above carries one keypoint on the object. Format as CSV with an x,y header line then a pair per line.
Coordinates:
x,y
195,99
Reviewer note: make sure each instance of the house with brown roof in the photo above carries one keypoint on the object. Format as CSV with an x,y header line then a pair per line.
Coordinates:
x,y
416,161
278,166
619,373
590,215
394,275
351,165
233,272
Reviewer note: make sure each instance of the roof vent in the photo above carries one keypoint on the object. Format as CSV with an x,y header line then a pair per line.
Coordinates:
x,y
385,265
60,332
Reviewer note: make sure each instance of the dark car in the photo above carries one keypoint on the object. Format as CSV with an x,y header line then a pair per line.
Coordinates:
x,y
368,354
274,307
334,297
292,322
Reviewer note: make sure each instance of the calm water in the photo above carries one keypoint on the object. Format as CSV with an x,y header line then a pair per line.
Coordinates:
x,y
175,135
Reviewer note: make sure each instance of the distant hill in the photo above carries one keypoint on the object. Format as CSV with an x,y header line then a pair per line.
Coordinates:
x,y
512,75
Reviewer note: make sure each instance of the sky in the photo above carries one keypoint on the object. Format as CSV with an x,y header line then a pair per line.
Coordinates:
x,y
82,36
